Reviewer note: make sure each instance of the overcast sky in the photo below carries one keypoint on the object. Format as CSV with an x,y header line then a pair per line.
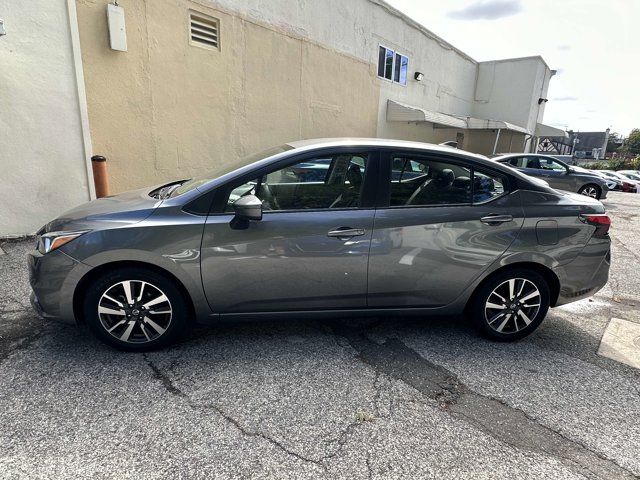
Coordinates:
x,y
594,45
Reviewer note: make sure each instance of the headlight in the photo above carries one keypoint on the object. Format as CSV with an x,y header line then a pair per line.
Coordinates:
x,y
53,240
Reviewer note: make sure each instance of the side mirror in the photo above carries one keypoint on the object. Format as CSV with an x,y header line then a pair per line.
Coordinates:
x,y
248,207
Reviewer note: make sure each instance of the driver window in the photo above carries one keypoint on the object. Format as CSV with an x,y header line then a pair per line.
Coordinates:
x,y
551,164
319,183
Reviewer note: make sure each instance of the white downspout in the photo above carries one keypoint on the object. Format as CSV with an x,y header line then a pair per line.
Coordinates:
x,y
495,145
82,95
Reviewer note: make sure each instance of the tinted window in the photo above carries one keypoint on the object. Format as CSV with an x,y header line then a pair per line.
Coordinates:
x,y
319,183
551,164
419,181
487,186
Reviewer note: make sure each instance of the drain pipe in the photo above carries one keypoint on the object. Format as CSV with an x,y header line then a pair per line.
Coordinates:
x,y
495,145
100,176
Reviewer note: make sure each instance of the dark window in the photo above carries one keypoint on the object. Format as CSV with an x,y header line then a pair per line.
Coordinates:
x,y
547,163
392,65
388,64
318,183
382,52
419,181
400,69
487,186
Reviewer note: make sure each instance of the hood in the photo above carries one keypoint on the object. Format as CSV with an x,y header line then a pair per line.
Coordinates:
x,y
123,209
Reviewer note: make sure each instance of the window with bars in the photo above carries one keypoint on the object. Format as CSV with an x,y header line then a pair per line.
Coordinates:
x,y
204,31
392,65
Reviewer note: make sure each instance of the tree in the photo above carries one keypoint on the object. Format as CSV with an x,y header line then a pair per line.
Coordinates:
x,y
632,145
614,142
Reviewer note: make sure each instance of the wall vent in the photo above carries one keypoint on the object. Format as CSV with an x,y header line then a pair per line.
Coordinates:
x,y
204,31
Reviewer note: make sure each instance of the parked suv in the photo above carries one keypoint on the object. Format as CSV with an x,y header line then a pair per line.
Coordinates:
x,y
390,227
558,174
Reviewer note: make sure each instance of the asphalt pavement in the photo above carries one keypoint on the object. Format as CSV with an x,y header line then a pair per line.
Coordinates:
x,y
352,399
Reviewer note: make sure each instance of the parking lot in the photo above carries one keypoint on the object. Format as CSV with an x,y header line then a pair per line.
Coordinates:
x,y
380,398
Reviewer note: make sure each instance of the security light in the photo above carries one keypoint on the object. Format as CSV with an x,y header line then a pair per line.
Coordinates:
x,y
418,76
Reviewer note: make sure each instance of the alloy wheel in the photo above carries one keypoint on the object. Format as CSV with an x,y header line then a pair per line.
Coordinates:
x,y
135,311
590,192
512,305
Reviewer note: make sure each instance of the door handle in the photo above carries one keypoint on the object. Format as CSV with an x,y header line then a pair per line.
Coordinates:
x,y
494,219
345,232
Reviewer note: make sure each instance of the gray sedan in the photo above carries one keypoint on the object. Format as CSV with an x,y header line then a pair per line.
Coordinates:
x,y
557,174
391,227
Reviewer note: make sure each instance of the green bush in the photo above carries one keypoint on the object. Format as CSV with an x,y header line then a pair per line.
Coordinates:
x,y
596,166
617,164
635,163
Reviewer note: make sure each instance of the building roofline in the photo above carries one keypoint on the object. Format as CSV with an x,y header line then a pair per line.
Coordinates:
x,y
418,26
517,59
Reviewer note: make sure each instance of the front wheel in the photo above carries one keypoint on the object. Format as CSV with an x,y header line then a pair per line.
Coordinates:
x,y
591,190
135,309
510,305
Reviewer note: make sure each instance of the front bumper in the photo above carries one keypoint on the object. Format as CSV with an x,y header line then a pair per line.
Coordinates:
x,y
586,274
53,278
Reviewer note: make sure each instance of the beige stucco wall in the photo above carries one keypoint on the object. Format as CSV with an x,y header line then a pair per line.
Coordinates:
x,y
166,109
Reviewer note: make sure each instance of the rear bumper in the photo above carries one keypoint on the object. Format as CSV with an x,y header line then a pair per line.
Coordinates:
x,y
53,278
586,274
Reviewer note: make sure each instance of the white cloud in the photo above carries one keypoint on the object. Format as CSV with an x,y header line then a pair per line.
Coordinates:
x,y
592,43
487,10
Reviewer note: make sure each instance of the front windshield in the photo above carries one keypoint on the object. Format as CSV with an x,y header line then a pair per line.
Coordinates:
x,y
227,168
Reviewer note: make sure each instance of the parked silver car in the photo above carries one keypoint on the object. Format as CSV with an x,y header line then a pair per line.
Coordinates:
x,y
393,227
627,183
558,174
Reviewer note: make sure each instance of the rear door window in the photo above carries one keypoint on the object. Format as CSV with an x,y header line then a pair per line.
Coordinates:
x,y
421,181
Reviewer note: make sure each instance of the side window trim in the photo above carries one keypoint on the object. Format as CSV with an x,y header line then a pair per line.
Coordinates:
x,y
385,165
367,201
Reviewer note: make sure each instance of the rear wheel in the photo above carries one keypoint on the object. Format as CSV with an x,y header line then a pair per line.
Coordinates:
x,y
135,309
590,190
510,305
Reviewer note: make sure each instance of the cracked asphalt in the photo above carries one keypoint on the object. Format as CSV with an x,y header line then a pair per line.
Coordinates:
x,y
349,399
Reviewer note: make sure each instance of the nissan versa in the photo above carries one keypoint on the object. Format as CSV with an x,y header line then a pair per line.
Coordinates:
x,y
342,227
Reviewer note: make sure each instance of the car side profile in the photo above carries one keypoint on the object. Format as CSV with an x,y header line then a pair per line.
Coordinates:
x,y
557,173
390,227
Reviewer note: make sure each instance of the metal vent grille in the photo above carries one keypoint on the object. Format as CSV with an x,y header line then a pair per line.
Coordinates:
x,y
204,30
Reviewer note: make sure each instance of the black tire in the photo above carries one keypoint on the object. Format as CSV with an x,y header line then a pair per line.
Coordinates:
x,y
515,327
173,324
589,187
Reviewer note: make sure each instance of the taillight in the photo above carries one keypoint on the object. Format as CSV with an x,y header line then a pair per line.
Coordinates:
x,y
601,221
626,187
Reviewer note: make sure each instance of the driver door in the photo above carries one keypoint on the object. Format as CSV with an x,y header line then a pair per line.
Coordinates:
x,y
557,174
311,248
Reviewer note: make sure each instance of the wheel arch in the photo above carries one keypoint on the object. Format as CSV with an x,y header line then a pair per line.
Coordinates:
x,y
589,183
100,270
547,273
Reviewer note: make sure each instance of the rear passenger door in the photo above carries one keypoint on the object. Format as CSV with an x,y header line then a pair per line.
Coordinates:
x,y
436,232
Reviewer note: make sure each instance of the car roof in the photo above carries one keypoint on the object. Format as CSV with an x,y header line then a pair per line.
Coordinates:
x,y
511,155
316,143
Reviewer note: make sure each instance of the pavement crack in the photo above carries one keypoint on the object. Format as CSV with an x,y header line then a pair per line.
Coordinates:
x,y
256,434
501,421
167,383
